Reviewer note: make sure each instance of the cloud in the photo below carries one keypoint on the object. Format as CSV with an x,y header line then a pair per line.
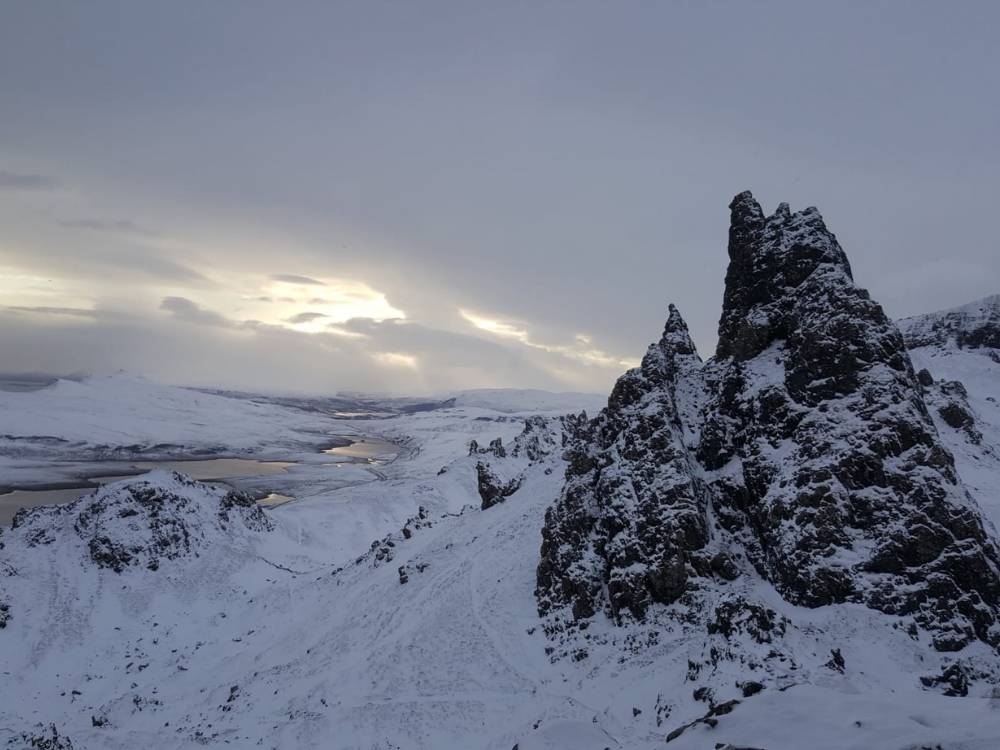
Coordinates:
x,y
306,317
102,225
99,266
161,268
75,312
17,181
190,312
395,359
362,354
463,360
292,278
579,348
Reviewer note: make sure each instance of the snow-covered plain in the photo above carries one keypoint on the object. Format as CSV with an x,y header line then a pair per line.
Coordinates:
x,y
361,621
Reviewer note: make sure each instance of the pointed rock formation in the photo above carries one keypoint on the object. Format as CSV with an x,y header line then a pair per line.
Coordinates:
x,y
768,256
631,517
802,453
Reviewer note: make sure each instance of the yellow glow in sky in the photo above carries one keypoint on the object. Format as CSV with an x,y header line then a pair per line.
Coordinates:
x,y
580,349
21,289
395,359
498,327
311,308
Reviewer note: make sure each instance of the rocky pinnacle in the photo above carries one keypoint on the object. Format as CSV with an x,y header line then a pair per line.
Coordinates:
x,y
802,454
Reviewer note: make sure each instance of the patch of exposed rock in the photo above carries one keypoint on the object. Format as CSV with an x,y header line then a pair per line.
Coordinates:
x,y
41,738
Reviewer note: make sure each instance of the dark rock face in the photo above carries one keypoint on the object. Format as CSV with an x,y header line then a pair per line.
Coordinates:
x,y
804,447
495,449
630,498
767,257
492,489
953,680
161,525
6,614
241,506
538,439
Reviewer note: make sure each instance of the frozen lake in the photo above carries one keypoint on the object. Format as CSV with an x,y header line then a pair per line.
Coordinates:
x,y
364,450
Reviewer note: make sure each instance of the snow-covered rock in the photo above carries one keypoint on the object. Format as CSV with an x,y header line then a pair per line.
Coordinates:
x,y
141,522
961,383
802,455
972,326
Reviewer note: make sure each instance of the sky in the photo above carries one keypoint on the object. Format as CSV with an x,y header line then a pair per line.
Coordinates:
x,y
419,197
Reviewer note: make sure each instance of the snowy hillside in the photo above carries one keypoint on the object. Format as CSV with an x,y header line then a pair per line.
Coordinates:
x,y
788,545
123,410
429,639
972,326
511,400
960,351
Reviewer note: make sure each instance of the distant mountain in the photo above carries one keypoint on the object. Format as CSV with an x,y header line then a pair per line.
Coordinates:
x,y
520,400
972,326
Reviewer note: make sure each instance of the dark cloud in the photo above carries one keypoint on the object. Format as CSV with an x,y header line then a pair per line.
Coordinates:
x,y
152,264
292,278
190,312
17,181
306,317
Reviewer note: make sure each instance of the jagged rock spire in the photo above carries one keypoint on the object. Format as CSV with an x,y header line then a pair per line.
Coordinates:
x,y
768,256
649,532
675,333
808,438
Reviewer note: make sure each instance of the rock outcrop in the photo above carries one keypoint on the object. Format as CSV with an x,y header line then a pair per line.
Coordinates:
x,y
803,453
143,522
631,498
500,473
972,326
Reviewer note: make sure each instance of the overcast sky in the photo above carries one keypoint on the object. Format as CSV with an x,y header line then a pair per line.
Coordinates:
x,y
423,196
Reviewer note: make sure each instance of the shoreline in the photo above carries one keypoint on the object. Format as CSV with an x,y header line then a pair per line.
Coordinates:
x,y
93,479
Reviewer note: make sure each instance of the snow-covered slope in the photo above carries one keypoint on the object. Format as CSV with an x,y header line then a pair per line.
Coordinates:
x,y
126,411
529,400
429,640
957,354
